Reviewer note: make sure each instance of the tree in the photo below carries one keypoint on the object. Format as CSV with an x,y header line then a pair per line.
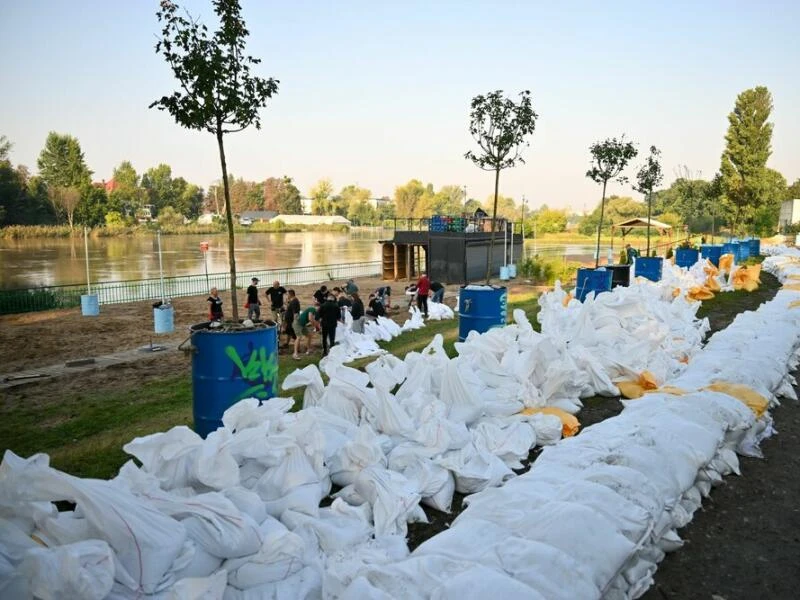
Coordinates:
x,y
609,158
321,197
92,206
126,196
61,162
648,177
773,192
66,200
505,207
5,147
499,126
282,196
550,220
190,198
793,191
158,183
169,217
617,208
449,200
217,91
747,148
408,198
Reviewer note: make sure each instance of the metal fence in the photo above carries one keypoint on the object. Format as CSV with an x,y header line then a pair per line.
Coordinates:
x,y
117,292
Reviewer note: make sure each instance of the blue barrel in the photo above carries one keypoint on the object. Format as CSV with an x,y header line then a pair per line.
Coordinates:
x,y
90,305
686,257
504,274
481,309
649,267
512,270
712,252
731,248
164,318
228,367
755,246
593,280
744,251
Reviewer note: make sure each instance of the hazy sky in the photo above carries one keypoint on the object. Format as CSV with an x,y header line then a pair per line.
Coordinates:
x,y
377,93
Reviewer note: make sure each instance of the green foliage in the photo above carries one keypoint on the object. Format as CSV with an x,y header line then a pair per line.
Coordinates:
x,y
793,191
114,220
5,147
505,208
548,220
281,196
321,195
617,209
23,199
609,159
217,91
61,162
169,217
500,127
413,199
65,200
748,145
545,271
32,300
92,206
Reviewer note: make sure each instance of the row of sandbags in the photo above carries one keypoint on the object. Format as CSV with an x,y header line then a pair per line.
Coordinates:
x,y
240,511
597,512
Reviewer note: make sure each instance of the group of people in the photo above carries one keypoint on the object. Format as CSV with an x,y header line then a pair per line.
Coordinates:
x,y
328,309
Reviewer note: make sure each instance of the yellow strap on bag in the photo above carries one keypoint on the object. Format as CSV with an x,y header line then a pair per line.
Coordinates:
x,y
747,278
795,304
754,401
569,423
567,299
699,293
636,389
710,269
795,287
668,389
676,292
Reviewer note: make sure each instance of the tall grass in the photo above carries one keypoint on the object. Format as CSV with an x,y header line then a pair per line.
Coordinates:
x,y
545,271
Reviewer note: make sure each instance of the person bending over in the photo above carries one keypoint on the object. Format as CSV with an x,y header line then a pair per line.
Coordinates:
x,y
438,292
304,325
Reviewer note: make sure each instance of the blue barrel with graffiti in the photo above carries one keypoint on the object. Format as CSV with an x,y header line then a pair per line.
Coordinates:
x,y
228,366
481,308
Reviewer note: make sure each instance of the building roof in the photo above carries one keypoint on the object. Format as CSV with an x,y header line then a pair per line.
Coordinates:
x,y
311,220
641,222
265,215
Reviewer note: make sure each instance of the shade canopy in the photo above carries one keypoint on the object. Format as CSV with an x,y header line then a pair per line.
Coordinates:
x,y
639,222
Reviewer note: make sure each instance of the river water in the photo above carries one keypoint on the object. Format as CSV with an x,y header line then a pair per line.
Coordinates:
x,y
57,261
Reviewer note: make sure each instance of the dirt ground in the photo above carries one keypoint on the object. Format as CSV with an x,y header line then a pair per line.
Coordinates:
x,y
743,544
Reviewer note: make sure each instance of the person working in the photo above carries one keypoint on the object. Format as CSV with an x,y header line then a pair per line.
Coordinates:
x,y
329,315
438,292
319,295
292,310
350,287
357,312
214,306
376,308
275,294
631,252
423,288
253,303
304,325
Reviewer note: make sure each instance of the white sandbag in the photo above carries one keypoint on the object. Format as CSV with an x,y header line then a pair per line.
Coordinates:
x,y
387,414
145,542
331,532
474,469
199,588
354,456
305,584
386,372
80,570
252,412
309,377
510,443
247,501
293,484
548,428
463,401
393,498
281,555
482,582
342,568
179,458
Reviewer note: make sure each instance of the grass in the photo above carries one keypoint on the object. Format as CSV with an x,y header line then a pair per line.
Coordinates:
x,y
84,432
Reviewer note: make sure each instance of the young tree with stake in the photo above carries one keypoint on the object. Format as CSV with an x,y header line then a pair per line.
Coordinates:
x,y
649,177
499,126
609,158
217,92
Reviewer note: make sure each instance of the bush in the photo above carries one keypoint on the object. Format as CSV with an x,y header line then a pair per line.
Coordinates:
x,y
545,271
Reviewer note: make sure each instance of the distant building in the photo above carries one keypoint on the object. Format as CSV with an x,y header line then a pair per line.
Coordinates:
x,y
306,204
258,216
790,213
206,218
377,203
311,220
108,186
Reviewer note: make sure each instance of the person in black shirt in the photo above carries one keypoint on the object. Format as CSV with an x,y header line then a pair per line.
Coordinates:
x,y
329,315
214,306
292,310
357,312
321,294
438,292
275,294
253,303
376,308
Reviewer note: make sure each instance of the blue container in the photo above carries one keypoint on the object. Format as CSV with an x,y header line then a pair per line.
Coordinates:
x,y
512,271
228,367
90,305
755,246
481,309
686,257
593,280
744,251
731,248
711,252
649,267
164,318
505,275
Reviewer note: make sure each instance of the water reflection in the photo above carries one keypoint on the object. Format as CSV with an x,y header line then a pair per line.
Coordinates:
x,y
28,263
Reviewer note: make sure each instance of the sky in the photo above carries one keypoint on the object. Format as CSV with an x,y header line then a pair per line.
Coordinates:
x,y
377,93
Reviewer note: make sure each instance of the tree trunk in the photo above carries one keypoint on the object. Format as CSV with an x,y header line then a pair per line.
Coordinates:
x,y
229,217
649,210
600,226
494,220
